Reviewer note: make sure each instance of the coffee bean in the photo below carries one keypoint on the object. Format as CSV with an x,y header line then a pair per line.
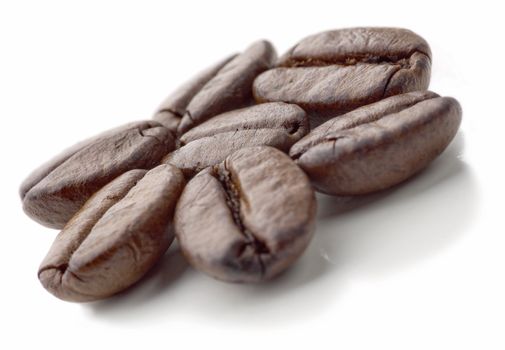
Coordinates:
x,y
53,193
333,72
171,110
115,238
273,124
230,88
248,211
379,145
247,219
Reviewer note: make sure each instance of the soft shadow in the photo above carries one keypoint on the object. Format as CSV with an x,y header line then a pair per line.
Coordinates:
x,y
448,164
356,237
174,288
404,225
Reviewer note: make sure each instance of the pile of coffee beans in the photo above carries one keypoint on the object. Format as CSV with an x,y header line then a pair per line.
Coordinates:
x,y
229,162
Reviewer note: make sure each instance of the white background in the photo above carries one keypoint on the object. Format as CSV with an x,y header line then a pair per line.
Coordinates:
x,y
418,267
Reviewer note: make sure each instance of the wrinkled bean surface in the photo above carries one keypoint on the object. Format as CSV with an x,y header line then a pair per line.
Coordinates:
x,y
171,110
247,219
115,238
333,72
379,145
53,193
277,124
221,88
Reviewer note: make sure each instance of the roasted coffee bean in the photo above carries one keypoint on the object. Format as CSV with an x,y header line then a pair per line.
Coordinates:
x,y
379,145
276,124
224,87
247,219
170,112
117,236
53,193
333,72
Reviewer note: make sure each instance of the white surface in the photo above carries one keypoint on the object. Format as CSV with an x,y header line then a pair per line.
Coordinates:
x,y
419,267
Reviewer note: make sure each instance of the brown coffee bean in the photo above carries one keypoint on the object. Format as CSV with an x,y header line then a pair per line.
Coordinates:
x,y
53,193
230,88
333,72
115,238
247,219
379,145
171,110
277,124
